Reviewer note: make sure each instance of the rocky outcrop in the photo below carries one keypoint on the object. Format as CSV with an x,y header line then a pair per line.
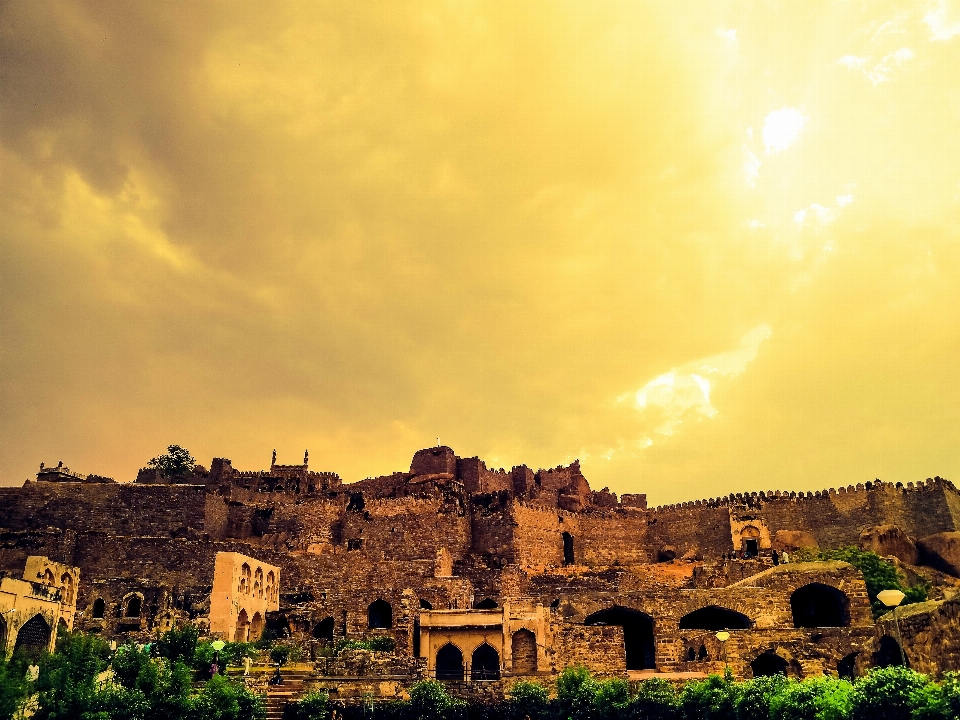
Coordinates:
x,y
791,540
889,540
941,551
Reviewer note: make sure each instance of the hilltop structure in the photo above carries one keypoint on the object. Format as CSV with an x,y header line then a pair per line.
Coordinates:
x,y
481,575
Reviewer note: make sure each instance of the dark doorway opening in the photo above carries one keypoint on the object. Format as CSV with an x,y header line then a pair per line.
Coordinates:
x,y
379,615
134,605
425,604
567,549
449,663
769,663
847,667
819,605
486,604
485,664
637,634
751,548
714,618
323,630
888,653
98,608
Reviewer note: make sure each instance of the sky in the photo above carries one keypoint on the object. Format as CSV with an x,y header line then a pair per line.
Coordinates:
x,y
702,247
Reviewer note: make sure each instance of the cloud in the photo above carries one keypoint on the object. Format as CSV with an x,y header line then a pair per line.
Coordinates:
x,y
943,21
883,70
683,393
781,128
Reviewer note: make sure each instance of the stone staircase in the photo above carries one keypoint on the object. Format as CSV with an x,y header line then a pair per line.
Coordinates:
x,y
295,677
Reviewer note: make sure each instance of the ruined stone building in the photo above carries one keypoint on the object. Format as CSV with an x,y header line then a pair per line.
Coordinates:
x,y
481,574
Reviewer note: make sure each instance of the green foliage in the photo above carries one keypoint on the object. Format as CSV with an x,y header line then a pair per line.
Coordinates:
x,y
224,699
712,699
429,700
280,653
527,699
576,689
378,643
654,699
13,686
818,698
66,687
887,694
232,653
753,702
312,706
175,463
878,574
611,699
178,643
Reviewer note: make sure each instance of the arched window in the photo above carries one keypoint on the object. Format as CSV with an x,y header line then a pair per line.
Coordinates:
x,y
449,663
271,587
48,578
379,615
486,604
425,604
485,664
768,663
245,579
98,608
323,630
691,654
637,634
819,605
66,589
702,654
524,651
568,557
33,638
258,583
134,605
714,618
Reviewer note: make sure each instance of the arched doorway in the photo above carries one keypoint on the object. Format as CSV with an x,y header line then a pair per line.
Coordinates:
x,y
819,605
568,557
425,604
637,634
523,648
379,615
485,663
888,653
449,663
33,638
847,667
769,663
750,541
323,630
713,617
256,627
486,604
243,627
98,608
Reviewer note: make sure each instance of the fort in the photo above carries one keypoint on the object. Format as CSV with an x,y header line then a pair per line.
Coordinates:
x,y
481,575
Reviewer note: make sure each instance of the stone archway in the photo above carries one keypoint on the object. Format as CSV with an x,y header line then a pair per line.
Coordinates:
x,y
449,665
379,615
323,630
639,647
769,663
523,649
33,638
714,617
256,627
243,627
818,605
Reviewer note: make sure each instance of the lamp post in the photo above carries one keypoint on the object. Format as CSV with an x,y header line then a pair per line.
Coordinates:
x,y
723,636
892,599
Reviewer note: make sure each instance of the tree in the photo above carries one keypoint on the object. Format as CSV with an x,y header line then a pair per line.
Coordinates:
x,y
655,699
13,687
67,686
176,463
889,693
527,699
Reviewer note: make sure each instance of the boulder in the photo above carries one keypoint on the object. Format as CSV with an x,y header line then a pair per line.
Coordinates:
x,y
791,540
941,551
890,540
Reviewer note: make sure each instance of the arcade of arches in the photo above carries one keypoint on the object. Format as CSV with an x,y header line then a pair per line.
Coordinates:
x,y
244,591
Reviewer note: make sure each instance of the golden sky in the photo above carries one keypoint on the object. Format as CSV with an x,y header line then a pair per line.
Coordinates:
x,y
703,247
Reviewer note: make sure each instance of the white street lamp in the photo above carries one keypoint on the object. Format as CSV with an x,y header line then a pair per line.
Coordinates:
x,y
892,599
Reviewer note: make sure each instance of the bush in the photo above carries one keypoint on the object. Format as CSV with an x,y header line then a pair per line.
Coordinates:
x,y
887,694
527,699
67,685
378,643
178,643
13,686
576,690
313,706
753,702
654,699
818,698
429,700
224,699
712,699
611,699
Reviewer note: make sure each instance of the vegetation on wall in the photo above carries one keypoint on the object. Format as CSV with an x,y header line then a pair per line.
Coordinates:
x,y
175,463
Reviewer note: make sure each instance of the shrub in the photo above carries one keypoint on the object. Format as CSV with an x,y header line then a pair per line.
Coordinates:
x,y
611,699
13,687
654,699
178,643
753,701
313,706
887,694
67,686
818,698
576,690
527,699
429,699
712,699
224,699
